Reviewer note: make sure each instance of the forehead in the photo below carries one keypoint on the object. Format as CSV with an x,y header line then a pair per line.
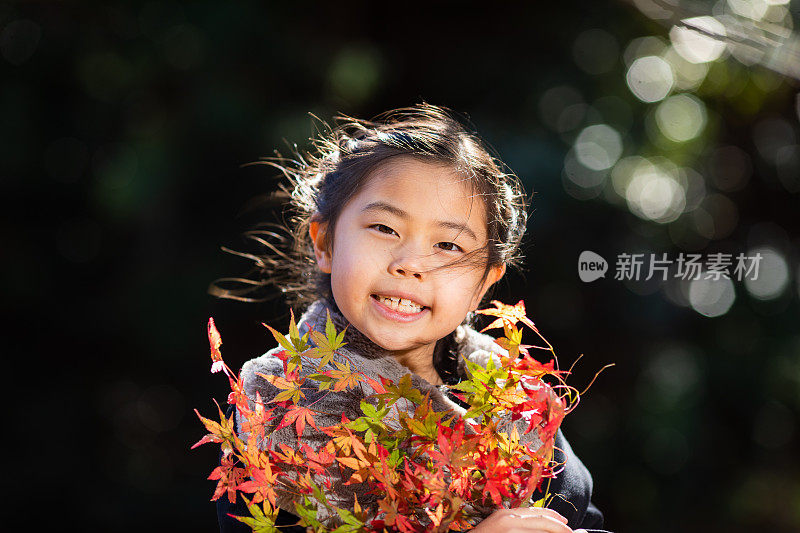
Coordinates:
x,y
426,189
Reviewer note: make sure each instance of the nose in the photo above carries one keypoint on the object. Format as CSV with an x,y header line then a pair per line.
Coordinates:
x,y
407,265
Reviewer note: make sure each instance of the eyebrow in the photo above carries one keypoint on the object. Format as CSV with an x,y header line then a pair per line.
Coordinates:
x,y
389,208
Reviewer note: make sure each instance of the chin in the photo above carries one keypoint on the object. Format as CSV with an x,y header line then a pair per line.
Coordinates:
x,y
393,344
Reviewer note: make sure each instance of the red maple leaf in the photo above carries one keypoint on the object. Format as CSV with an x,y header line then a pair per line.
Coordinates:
x,y
229,477
299,415
317,461
261,484
215,341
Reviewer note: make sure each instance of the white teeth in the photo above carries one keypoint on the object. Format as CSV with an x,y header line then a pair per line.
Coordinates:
x,y
400,304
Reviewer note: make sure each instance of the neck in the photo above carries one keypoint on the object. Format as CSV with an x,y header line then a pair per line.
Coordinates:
x,y
420,362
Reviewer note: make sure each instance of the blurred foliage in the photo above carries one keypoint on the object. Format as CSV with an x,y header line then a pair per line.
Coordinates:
x,y
124,129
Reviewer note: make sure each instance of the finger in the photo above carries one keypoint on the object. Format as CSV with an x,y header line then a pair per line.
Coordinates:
x,y
537,511
531,524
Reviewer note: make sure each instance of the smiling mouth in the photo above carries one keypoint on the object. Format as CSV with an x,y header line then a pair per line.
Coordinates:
x,y
401,305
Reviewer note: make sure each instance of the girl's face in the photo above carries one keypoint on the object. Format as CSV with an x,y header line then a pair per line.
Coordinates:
x,y
393,245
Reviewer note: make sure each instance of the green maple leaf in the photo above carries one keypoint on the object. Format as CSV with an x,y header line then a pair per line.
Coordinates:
x,y
351,523
325,381
294,344
403,389
372,421
326,344
260,522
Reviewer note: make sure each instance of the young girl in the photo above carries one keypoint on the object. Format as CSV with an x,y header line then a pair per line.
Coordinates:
x,y
403,224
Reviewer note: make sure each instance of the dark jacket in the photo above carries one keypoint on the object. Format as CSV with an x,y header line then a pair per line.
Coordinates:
x,y
572,487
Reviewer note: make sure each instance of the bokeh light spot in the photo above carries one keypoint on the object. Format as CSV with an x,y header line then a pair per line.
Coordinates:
x,y
598,147
752,9
773,274
699,46
681,117
356,73
688,76
654,194
711,297
650,78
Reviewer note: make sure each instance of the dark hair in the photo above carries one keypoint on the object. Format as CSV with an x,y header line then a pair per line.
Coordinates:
x,y
336,168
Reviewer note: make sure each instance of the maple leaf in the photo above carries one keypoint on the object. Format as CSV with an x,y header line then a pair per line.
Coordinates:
x,y
261,484
238,396
344,377
299,415
219,432
288,455
508,315
342,439
394,517
498,475
290,388
373,414
554,416
362,462
215,341
451,448
513,346
294,346
258,418
259,521
531,366
317,461
229,477
376,387
507,398
351,524
327,343
403,389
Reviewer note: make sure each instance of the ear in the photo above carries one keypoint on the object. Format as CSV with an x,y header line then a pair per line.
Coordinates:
x,y
319,238
495,274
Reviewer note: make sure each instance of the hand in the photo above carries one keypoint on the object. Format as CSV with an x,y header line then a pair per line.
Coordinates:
x,y
525,520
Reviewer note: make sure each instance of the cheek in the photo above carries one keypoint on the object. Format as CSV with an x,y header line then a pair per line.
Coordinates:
x,y
462,291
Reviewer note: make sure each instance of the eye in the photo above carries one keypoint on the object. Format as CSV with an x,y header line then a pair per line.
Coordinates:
x,y
449,246
383,229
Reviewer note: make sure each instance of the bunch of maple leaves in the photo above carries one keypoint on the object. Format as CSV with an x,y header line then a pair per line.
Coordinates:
x,y
434,473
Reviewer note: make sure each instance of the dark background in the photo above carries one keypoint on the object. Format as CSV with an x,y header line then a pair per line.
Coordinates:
x,y
123,130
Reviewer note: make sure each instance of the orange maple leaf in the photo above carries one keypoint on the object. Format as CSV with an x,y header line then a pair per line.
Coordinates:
x,y
345,377
508,315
